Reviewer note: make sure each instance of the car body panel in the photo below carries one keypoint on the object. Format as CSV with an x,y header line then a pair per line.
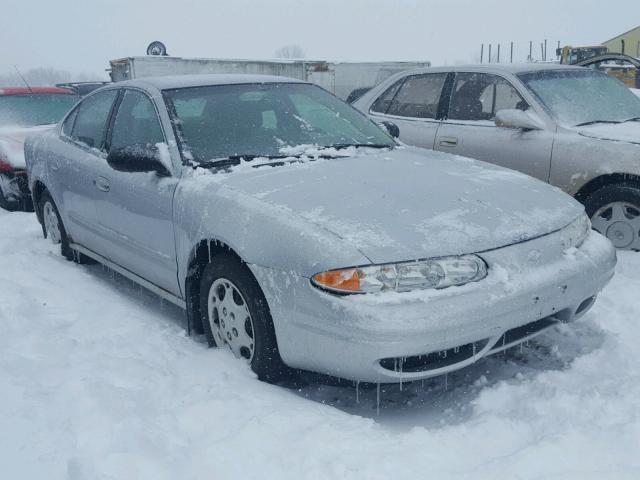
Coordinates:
x,y
427,204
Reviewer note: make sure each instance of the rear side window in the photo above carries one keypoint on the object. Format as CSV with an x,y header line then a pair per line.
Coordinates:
x,y
67,126
383,102
91,119
419,96
478,96
136,122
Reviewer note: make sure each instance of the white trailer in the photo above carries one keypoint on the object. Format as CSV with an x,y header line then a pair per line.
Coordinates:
x,y
340,78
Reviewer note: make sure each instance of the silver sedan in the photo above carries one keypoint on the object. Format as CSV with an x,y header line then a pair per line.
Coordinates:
x,y
573,127
298,234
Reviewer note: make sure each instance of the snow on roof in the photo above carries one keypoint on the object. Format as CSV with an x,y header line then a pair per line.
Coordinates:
x,y
183,81
500,67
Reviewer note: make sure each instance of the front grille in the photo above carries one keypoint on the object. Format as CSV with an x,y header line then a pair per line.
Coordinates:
x,y
514,335
433,360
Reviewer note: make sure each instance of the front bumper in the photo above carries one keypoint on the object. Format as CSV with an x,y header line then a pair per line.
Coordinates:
x,y
396,337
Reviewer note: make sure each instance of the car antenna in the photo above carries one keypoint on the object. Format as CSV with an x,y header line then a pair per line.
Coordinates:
x,y
23,79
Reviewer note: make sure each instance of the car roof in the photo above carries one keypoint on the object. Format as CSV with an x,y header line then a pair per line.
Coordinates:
x,y
185,81
513,68
35,91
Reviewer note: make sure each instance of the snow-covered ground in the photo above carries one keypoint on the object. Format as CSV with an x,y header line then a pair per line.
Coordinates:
x,y
99,381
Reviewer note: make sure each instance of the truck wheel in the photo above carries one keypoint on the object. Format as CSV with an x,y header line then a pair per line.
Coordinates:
x,y
235,315
615,213
54,230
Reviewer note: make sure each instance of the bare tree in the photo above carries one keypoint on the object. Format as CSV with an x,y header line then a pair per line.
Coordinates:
x,y
290,51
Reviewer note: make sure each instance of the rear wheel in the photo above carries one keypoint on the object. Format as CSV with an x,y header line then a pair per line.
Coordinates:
x,y
53,229
615,213
235,315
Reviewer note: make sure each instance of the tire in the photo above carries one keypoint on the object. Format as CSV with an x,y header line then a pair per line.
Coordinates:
x,y
53,228
6,204
614,211
228,293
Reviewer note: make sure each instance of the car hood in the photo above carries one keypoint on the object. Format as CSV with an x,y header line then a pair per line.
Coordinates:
x,y
12,142
628,132
411,203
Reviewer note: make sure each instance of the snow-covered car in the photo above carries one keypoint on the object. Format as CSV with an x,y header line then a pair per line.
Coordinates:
x,y
296,232
23,112
573,127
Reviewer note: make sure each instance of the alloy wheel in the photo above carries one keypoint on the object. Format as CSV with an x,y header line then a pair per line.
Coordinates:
x,y
230,319
620,223
51,223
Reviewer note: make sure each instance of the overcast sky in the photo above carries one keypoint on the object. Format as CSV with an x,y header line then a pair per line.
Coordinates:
x,y
81,36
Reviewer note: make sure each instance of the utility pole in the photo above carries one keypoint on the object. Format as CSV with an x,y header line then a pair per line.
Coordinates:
x,y
481,52
530,51
511,54
498,59
489,53
545,49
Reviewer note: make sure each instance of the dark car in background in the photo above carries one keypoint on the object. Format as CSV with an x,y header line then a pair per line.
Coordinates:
x,y
25,111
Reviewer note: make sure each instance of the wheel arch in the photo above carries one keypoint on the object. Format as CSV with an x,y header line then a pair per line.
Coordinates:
x,y
37,190
199,257
603,180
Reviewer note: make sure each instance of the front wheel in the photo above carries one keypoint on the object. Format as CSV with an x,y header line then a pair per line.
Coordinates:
x,y
235,315
615,213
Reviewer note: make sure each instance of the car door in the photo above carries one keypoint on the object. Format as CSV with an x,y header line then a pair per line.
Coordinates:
x,y
413,104
135,208
75,163
469,128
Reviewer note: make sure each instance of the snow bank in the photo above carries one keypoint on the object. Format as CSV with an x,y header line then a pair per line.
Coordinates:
x,y
99,381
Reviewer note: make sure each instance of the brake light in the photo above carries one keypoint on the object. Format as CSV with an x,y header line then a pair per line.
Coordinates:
x,y
5,167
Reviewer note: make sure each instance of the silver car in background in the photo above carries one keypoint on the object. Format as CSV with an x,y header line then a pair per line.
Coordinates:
x,y
297,233
573,127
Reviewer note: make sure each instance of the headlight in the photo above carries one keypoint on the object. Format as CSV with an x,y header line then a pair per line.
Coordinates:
x,y
574,234
435,273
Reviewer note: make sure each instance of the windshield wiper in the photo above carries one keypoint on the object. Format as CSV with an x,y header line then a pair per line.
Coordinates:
x,y
233,160
339,146
632,119
596,121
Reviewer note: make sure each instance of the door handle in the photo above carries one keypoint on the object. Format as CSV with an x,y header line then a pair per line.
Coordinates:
x,y
448,141
102,184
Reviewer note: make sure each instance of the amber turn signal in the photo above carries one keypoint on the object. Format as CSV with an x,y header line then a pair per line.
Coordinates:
x,y
346,280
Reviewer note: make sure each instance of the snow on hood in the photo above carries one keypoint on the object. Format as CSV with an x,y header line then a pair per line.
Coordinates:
x,y
412,203
12,142
618,132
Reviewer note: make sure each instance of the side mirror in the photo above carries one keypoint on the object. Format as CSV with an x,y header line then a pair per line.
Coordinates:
x,y
391,128
513,118
137,158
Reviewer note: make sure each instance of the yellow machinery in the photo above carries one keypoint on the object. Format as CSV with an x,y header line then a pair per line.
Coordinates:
x,y
570,55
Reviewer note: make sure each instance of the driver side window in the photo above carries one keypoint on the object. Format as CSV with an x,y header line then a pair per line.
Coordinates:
x,y
91,119
479,96
136,122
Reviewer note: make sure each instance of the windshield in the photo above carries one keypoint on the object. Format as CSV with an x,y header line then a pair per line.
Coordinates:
x,y
224,121
577,97
34,109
